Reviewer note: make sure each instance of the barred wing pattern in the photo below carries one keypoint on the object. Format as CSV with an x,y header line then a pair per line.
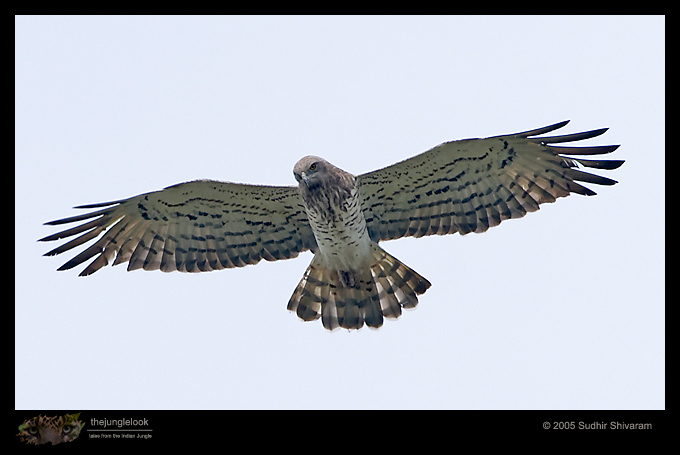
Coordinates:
x,y
192,227
471,185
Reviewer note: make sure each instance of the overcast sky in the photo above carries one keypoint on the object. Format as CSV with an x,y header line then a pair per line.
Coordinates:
x,y
562,309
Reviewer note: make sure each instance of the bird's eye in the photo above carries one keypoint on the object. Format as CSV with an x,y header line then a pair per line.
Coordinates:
x,y
312,167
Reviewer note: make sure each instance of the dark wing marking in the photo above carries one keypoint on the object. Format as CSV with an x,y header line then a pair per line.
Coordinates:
x,y
191,227
471,185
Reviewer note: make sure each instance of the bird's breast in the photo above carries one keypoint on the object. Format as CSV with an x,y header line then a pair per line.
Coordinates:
x,y
340,231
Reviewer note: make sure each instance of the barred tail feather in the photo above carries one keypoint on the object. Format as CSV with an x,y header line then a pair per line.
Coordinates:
x,y
365,298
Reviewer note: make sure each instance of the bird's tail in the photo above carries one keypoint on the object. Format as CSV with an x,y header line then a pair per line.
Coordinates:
x,y
350,299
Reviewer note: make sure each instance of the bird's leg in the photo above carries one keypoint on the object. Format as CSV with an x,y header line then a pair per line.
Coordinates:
x,y
348,278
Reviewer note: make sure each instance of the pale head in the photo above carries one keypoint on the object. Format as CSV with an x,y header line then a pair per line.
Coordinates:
x,y
311,170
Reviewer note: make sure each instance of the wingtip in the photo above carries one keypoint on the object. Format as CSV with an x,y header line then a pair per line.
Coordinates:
x,y
615,164
543,130
599,131
99,204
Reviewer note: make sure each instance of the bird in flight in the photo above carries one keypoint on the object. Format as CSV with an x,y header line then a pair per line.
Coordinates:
x,y
460,186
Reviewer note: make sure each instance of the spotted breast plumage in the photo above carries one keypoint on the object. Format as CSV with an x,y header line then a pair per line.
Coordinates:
x,y
461,186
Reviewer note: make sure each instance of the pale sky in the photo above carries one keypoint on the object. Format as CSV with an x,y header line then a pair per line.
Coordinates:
x,y
562,309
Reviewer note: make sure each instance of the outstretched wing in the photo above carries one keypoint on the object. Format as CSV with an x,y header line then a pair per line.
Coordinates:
x,y
471,185
192,227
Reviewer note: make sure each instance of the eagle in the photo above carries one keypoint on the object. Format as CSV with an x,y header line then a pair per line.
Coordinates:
x,y
460,186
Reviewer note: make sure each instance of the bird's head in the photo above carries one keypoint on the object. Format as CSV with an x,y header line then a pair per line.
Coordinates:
x,y
311,170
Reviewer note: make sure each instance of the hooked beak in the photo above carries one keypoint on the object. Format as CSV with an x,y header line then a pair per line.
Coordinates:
x,y
303,177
